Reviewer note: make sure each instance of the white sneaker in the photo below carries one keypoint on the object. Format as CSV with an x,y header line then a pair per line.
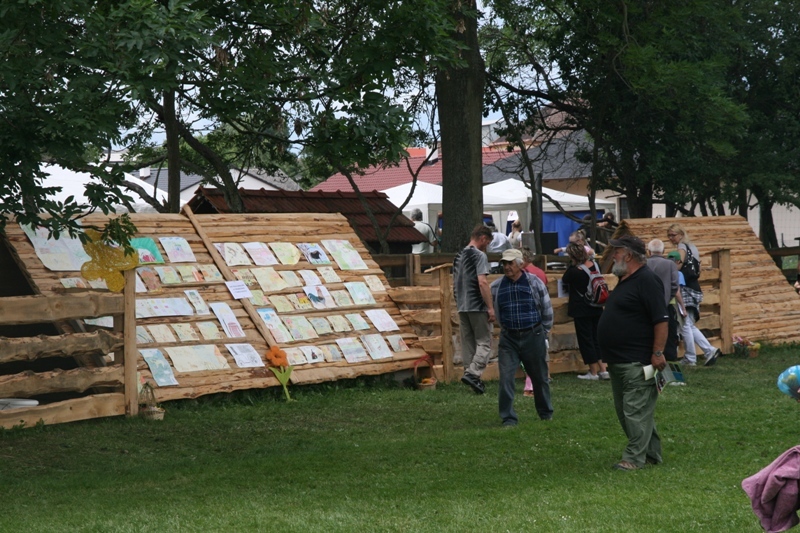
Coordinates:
x,y
604,375
589,376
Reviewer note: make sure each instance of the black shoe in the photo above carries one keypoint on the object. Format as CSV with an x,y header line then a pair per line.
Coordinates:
x,y
474,382
710,361
509,423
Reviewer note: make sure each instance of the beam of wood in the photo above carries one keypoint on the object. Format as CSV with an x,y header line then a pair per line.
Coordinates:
x,y
432,345
28,384
445,298
35,309
68,345
226,272
722,260
423,317
129,352
97,406
414,295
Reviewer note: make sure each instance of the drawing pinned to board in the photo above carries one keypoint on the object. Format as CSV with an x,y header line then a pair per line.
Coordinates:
x,y
295,356
189,273
397,343
159,367
178,249
339,323
331,353
210,273
232,253
286,252
329,275
320,325
261,254
245,355
197,358
161,333
300,328
374,283
357,321
208,330
273,322
319,297
352,350
281,304
313,354
74,283
342,298
228,320
314,254
142,336
149,278
150,307
360,293
291,278
246,276
185,332
301,300
147,250
168,275
310,278
382,320
376,346
98,284
258,299
345,255
197,302
140,286
269,279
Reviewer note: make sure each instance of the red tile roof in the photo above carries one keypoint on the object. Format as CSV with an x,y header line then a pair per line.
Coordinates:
x,y
381,178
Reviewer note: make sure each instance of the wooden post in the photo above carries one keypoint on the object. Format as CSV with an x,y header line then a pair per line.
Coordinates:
x,y
410,269
228,275
445,295
129,352
722,261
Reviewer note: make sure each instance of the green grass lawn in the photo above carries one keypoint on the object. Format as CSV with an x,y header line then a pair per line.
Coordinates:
x,y
373,456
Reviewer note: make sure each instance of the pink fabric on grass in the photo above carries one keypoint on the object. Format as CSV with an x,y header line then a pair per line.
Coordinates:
x,y
774,492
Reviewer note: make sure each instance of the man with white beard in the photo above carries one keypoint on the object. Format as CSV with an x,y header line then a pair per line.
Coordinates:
x,y
631,333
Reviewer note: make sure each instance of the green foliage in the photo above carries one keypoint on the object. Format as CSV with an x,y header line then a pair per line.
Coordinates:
x,y
368,455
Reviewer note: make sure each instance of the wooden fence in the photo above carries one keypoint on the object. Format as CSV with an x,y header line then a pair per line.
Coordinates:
x,y
119,377
429,306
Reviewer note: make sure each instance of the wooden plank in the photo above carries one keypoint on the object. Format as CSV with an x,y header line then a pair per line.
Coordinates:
x,y
129,352
28,384
97,406
68,345
414,295
445,297
722,260
17,310
424,317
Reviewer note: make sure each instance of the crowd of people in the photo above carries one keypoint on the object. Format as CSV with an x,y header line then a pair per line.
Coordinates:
x,y
655,303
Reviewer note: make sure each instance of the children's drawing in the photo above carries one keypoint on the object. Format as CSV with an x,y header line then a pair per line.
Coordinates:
x,y
261,254
314,254
178,249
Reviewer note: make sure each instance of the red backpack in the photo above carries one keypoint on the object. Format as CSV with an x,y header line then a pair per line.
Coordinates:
x,y
597,289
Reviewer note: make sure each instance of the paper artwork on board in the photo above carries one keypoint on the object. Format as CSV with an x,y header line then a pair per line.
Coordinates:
x,y
233,254
230,325
142,336
382,320
300,328
342,298
150,307
98,284
245,355
357,321
238,289
345,255
189,273
281,304
209,330
167,275
63,254
320,325
140,286
329,275
258,298
331,353
246,276
161,333
352,350
210,273
74,283
339,323
360,293
101,321
295,356
303,303
314,254
286,252
310,278
197,358
147,250
178,249
376,346
291,278
200,306
269,279
274,324
374,283
260,253
397,343
159,367
319,297
313,354
149,278
185,332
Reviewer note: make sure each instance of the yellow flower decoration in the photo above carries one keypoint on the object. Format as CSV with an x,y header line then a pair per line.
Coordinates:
x,y
108,262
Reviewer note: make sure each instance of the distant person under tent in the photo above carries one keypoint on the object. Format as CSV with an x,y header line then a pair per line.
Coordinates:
x,y
429,246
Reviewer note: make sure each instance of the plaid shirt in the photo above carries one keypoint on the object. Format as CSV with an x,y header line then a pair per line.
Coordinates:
x,y
523,303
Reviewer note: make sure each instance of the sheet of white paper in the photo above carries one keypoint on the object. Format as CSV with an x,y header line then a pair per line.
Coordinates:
x,y
238,289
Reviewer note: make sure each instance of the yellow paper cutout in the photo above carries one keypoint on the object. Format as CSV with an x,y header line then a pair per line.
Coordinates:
x,y
107,263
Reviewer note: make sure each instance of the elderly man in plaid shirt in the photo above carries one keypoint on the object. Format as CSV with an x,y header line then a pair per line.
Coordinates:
x,y
523,310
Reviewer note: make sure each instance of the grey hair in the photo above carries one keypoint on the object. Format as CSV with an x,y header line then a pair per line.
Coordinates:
x,y
416,214
640,258
656,246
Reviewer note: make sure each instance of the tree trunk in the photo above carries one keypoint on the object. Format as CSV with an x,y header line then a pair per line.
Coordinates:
x,y
766,225
459,94
173,153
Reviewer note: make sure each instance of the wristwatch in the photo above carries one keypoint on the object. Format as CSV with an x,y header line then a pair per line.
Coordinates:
x,y
658,354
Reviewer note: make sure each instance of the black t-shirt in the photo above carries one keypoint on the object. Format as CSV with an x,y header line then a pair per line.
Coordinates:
x,y
577,282
625,330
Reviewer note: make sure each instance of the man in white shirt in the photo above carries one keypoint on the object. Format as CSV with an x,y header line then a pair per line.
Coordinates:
x,y
429,245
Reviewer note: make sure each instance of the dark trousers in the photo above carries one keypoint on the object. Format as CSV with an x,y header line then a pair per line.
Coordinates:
x,y
529,349
586,333
671,348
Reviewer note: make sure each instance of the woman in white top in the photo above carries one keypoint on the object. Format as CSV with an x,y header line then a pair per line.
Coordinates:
x,y
515,237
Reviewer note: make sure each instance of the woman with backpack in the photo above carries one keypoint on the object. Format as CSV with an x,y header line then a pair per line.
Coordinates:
x,y
689,266
586,315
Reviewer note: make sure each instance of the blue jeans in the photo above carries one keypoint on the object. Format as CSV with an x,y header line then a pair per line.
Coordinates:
x,y
529,349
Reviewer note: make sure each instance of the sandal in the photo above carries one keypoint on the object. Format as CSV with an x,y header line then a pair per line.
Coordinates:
x,y
625,466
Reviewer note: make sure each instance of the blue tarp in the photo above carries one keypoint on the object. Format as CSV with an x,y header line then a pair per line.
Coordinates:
x,y
559,223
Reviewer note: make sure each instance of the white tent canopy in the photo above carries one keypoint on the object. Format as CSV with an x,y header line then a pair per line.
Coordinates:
x,y
428,199
513,189
74,183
